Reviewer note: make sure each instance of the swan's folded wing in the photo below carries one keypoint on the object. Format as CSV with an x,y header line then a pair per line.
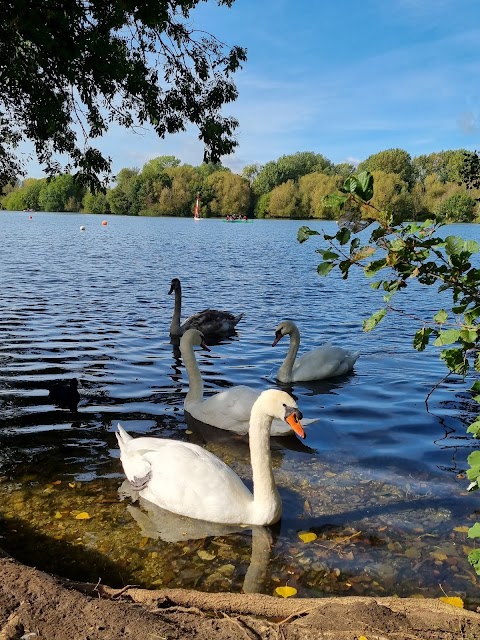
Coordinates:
x,y
229,409
324,361
190,480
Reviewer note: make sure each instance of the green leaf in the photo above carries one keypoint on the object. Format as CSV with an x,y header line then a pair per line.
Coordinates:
x,y
474,532
475,428
324,268
373,267
475,386
474,560
447,337
469,336
374,319
305,232
350,184
376,285
474,461
344,266
364,187
441,316
454,245
472,315
471,246
334,200
343,236
455,360
421,338
459,309
327,254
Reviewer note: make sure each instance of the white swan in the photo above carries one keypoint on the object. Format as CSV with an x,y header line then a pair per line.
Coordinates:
x,y
229,409
186,479
324,362
210,322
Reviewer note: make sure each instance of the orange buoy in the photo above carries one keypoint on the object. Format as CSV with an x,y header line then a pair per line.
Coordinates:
x,y
104,223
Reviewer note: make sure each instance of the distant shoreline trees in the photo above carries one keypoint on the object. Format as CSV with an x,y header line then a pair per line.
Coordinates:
x,y
294,186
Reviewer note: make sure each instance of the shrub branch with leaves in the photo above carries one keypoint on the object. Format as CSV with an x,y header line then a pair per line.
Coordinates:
x,y
397,254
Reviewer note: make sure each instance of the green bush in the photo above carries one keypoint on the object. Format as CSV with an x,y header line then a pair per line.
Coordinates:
x,y
459,207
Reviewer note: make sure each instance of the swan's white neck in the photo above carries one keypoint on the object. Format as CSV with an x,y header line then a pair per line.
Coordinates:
x,y
285,371
175,329
267,505
195,382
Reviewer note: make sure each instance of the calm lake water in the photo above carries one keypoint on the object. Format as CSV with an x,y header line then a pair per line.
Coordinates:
x,y
379,479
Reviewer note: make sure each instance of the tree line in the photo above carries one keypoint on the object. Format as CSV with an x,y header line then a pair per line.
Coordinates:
x,y
294,186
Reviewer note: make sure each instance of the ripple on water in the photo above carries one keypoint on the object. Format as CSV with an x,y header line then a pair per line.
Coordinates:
x,y
379,480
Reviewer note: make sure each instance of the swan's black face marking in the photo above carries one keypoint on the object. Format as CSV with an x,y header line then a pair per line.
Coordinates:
x,y
174,285
293,415
203,344
140,483
278,337
293,411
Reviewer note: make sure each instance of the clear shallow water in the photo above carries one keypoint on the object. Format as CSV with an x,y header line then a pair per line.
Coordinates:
x,y
379,479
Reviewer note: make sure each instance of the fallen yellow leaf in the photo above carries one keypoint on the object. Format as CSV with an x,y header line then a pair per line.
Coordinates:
x,y
71,485
188,432
57,515
455,601
205,555
307,536
461,529
83,515
286,592
438,555
362,638
57,482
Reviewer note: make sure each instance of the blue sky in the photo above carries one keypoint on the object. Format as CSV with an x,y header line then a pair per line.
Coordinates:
x,y
342,78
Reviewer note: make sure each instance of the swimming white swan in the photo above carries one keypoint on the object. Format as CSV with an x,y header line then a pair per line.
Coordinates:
x,y
189,480
229,409
210,321
324,362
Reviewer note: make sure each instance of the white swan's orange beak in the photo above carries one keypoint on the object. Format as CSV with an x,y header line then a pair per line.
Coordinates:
x,y
296,425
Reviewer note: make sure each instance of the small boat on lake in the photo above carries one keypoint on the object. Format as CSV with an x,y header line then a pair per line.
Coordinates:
x,y
237,219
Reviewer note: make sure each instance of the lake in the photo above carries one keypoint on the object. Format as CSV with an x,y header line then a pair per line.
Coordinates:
x,y
379,480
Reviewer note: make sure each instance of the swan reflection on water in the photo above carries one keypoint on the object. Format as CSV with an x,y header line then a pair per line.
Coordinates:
x,y
157,523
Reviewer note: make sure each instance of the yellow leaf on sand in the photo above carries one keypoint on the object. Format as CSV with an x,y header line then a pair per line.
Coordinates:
x,y
454,601
362,638
286,592
307,536
57,482
83,515
71,485
57,515
461,529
